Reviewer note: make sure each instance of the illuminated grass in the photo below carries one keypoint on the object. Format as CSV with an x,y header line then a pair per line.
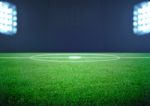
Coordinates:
x,y
110,83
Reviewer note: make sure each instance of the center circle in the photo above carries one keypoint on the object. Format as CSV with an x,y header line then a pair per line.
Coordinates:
x,y
75,57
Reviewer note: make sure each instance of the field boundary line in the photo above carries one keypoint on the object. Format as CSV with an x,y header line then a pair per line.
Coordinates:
x,y
13,57
136,57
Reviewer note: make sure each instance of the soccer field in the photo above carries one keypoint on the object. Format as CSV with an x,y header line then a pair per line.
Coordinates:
x,y
74,79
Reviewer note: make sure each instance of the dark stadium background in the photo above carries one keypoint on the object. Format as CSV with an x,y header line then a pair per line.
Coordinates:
x,y
75,26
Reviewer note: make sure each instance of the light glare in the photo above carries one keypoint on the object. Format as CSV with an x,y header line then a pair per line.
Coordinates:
x,y
141,18
8,18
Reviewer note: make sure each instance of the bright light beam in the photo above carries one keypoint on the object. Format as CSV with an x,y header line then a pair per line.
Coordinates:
x,y
8,18
141,18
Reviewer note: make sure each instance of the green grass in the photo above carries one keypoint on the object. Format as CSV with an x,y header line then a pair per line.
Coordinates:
x,y
26,82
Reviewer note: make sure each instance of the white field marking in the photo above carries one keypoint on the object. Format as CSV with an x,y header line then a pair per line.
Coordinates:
x,y
106,57
136,57
10,57
74,57
97,57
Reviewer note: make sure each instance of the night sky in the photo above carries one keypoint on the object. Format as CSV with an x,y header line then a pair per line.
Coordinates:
x,y
75,26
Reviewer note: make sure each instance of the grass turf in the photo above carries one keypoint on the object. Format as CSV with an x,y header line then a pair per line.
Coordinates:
x,y
26,82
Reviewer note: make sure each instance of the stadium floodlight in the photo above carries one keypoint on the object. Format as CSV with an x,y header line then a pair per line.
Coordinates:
x,y
8,18
141,18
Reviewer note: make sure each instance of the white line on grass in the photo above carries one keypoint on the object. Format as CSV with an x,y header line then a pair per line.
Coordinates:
x,y
14,57
136,57
106,58
83,57
67,57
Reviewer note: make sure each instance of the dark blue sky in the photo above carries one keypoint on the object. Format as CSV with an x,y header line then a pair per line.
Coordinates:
x,y
75,26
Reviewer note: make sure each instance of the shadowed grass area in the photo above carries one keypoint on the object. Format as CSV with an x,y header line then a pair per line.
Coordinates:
x,y
124,82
